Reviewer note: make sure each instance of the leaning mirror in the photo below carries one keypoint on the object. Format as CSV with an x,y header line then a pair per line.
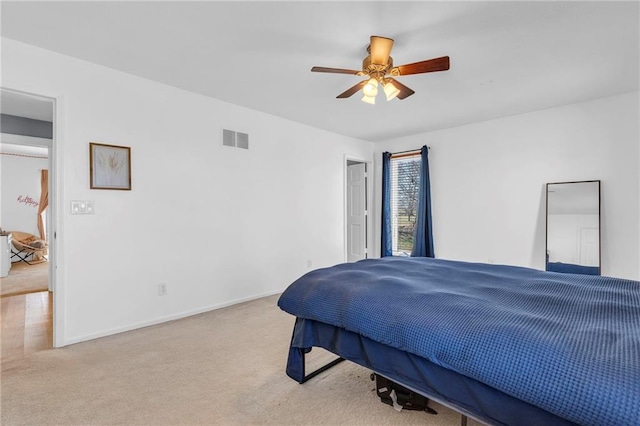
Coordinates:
x,y
573,227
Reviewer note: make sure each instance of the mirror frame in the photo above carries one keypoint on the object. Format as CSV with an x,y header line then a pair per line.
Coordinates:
x,y
546,228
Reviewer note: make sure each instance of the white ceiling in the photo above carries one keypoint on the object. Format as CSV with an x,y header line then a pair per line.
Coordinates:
x,y
22,105
507,58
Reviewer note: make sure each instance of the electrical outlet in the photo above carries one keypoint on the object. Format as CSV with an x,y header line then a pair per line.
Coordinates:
x,y
162,289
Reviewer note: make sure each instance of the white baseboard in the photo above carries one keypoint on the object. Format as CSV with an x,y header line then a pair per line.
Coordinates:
x,y
167,318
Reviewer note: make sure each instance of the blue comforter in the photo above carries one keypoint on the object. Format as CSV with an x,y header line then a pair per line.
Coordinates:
x,y
569,344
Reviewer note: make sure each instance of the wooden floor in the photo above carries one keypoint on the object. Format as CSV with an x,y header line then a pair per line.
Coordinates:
x,y
27,326
24,278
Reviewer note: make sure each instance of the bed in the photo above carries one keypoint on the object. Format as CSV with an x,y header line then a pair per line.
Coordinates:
x,y
502,344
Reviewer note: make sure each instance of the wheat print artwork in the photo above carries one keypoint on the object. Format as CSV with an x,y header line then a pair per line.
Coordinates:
x,y
110,166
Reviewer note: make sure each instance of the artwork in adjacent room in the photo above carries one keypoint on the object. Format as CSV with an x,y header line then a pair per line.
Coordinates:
x,y
110,166
27,200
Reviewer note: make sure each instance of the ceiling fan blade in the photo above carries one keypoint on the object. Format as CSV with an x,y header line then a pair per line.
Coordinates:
x,y
405,92
380,50
430,65
350,91
334,70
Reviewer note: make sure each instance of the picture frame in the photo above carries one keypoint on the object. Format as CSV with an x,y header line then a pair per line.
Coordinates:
x,y
109,166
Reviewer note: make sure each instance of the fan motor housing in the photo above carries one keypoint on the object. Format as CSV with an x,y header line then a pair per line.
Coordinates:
x,y
369,68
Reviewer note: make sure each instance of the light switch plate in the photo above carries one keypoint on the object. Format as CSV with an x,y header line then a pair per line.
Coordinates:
x,y
82,207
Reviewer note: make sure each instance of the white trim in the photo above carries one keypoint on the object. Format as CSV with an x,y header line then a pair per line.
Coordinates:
x,y
25,140
57,268
164,319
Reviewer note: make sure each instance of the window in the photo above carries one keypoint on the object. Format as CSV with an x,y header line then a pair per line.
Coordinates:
x,y
405,184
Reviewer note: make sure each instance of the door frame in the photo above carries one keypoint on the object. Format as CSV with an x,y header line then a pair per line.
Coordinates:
x,y
368,192
57,222
55,215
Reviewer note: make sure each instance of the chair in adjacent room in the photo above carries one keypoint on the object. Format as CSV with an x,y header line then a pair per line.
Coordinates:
x,y
27,246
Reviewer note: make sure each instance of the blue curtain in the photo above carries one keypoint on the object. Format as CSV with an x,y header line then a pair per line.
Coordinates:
x,y
386,246
423,234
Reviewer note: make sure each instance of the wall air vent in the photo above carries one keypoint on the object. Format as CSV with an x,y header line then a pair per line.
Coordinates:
x,y
235,139
228,137
242,140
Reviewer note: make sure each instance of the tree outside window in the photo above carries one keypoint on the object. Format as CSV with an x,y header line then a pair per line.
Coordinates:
x,y
405,184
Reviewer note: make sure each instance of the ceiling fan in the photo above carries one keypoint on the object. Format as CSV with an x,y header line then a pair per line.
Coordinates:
x,y
378,66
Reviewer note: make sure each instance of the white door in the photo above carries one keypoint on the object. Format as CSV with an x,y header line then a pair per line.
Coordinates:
x,y
356,212
590,247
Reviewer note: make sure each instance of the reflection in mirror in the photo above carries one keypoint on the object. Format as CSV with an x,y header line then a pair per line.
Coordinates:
x,y
573,227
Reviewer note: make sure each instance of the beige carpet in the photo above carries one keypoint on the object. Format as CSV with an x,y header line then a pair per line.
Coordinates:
x,y
225,367
24,278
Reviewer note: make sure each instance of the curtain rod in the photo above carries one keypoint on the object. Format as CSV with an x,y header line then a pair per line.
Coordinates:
x,y
407,153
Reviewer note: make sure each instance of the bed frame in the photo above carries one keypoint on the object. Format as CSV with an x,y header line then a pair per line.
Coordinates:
x,y
467,396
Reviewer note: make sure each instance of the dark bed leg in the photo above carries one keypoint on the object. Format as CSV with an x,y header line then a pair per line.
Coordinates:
x,y
321,369
296,363
463,420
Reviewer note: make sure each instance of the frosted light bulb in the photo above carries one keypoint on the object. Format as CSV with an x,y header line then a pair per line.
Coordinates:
x,y
371,88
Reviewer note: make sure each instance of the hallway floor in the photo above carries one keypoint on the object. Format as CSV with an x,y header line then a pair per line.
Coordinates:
x,y
27,326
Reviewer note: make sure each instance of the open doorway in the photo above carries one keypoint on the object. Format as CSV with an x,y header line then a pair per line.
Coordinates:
x,y
26,148
356,210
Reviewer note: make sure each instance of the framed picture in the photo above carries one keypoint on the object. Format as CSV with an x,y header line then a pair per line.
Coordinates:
x,y
110,166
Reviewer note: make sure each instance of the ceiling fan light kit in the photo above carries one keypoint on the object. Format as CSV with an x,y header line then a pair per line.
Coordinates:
x,y
390,90
371,88
379,69
369,99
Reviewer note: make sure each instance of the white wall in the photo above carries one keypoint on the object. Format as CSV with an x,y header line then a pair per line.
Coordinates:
x,y
218,224
20,188
488,181
564,242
